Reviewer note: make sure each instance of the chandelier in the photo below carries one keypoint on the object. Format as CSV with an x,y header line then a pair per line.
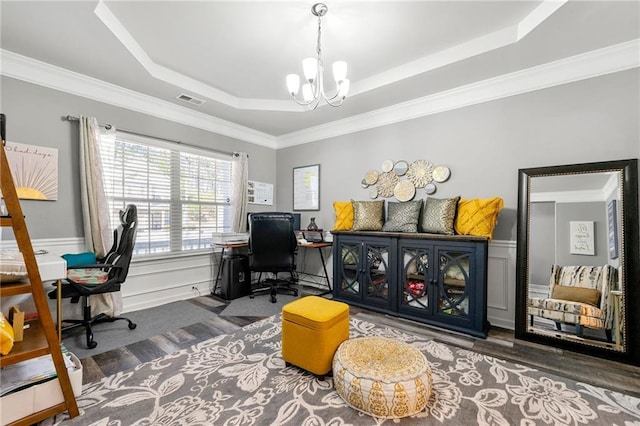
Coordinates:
x,y
313,91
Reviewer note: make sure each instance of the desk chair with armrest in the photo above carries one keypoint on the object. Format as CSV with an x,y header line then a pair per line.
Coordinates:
x,y
272,249
103,276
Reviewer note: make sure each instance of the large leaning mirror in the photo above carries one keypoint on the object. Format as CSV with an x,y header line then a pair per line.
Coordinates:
x,y
578,258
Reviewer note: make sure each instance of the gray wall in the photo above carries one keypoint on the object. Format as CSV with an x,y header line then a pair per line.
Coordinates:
x,y
34,117
542,242
484,145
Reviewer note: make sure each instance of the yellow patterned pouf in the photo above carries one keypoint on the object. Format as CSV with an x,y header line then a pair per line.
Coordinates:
x,y
312,329
382,377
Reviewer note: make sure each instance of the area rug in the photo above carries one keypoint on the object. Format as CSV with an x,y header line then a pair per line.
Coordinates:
x,y
259,306
150,322
240,379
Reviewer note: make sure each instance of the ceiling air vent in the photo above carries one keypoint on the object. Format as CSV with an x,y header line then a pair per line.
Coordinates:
x,y
192,100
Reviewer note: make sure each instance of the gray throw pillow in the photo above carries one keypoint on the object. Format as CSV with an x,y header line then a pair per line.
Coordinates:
x,y
403,217
439,215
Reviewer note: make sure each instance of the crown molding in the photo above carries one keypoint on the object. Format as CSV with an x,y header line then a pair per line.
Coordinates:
x,y
596,63
47,75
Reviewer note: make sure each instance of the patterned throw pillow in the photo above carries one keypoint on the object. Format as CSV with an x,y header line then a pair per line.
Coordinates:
x,y
344,215
368,215
478,216
439,215
403,217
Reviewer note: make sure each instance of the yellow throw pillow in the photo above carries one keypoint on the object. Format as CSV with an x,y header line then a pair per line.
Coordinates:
x,y
6,335
478,216
590,296
344,215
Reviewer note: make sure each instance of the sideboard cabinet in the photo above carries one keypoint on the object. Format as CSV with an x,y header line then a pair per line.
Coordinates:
x,y
435,279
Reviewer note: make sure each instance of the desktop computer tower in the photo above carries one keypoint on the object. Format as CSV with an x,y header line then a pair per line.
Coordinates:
x,y
236,278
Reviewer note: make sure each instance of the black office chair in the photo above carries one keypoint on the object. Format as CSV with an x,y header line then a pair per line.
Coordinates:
x,y
273,248
104,276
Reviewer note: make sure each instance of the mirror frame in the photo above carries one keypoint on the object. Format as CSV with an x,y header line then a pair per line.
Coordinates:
x,y
629,252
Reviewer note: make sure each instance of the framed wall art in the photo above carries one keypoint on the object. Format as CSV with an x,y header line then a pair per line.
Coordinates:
x,y
306,188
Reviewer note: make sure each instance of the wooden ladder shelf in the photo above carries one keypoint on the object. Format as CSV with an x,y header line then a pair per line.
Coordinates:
x,y
41,337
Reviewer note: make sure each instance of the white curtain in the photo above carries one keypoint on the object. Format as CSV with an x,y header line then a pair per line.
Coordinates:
x,y
98,231
239,182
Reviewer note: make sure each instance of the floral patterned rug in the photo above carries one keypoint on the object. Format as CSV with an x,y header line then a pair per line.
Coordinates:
x,y
240,379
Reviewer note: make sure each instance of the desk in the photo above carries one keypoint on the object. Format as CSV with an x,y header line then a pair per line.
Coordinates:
x,y
320,246
231,246
53,268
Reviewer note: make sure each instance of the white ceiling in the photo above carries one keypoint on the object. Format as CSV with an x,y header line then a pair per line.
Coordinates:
x,y
235,54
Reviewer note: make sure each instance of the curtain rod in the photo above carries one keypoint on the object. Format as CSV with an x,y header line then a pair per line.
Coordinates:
x,y
109,127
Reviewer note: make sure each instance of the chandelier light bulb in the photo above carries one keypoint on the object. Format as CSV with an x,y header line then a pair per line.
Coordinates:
x,y
293,84
307,93
313,91
340,71
310,68
343,88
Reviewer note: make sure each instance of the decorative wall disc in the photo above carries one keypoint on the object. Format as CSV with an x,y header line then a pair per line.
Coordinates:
x,y
387,166
373,193
420,173
401,167
430,188
386,183
371,177
404,190
441,173
364,183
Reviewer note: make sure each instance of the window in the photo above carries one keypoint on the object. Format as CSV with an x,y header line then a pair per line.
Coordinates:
x,y
183,194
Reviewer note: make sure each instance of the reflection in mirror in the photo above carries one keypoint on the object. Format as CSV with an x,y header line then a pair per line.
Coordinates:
x,y
576,224
572,282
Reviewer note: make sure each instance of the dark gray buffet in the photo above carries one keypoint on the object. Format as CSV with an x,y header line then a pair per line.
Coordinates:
x,y
431,278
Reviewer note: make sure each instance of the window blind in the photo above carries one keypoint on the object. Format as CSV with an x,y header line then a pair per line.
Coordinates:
x,y
182,194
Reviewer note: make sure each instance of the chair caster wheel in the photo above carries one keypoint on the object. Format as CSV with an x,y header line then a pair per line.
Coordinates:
x,y
251,296
295,293
132,326
92,345
273,299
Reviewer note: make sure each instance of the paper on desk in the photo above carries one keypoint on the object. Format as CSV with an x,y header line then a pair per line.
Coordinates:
x,y
29,372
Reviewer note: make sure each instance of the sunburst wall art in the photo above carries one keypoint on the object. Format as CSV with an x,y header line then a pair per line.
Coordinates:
x,y
35,171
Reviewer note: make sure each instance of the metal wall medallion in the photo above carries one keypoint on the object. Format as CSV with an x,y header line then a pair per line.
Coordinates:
x,y
441,173
401,167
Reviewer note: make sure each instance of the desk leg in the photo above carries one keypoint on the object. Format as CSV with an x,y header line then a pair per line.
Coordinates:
x,y
218,272
59,310
326,274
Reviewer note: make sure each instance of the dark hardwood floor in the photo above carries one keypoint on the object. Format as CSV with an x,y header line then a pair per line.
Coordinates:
x,y
500,344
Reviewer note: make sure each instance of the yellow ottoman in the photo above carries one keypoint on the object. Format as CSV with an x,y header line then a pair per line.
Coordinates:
x,y
312,330
382,377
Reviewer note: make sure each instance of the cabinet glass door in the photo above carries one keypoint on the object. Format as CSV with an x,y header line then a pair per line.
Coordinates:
x,y
415,272
377,270
349,275
453,283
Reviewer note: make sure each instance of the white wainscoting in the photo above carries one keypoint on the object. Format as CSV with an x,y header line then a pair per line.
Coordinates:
x,y
501,284
154,282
